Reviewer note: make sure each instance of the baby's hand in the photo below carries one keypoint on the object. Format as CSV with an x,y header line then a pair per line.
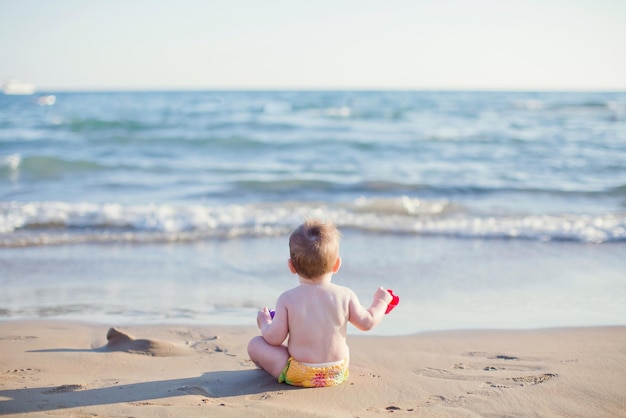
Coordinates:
x,y
382,294
263,317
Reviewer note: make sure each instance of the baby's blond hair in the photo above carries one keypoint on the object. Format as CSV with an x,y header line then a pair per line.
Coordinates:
x,y
314,248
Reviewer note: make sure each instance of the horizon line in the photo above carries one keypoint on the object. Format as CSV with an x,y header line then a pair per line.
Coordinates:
x,y
120,89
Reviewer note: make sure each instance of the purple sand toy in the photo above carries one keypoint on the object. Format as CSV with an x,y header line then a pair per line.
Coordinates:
x,y
272,313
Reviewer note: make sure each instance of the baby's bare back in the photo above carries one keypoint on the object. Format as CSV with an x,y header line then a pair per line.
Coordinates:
x,y
318,317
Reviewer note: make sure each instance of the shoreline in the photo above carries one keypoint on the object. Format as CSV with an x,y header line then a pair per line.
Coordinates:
x,y
442,283
50,366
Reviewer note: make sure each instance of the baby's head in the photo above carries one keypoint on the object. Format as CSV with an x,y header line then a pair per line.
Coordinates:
x,y
314,248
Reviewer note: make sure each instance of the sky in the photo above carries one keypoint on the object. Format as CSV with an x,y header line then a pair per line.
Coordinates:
x,y
322,44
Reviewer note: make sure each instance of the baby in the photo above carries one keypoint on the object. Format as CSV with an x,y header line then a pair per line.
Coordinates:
x,y
314,315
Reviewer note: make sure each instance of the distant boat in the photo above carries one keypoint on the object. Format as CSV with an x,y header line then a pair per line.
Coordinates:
x,y
18,87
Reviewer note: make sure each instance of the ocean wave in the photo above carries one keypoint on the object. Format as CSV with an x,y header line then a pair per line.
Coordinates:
x,y
54,223
94,124
389,187
296,185
48,166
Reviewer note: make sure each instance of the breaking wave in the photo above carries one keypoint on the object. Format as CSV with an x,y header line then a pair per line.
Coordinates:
x,y
56,223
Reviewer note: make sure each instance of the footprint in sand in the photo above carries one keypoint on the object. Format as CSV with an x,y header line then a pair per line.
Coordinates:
x,y
197,390
16,338
493,381
390,408
22,372
503,373
499,356
535,380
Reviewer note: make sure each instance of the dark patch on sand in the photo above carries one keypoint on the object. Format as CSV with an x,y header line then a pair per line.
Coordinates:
x,y
64,388
535,380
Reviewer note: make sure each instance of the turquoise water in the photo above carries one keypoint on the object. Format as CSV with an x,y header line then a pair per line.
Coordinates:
x,y
492,200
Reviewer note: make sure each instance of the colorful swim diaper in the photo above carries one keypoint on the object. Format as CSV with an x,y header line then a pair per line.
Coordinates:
x,y
314,375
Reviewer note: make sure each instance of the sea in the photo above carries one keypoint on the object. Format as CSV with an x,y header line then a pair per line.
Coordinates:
x,y
481,210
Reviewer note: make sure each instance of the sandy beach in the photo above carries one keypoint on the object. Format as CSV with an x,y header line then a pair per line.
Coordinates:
x,y
57,368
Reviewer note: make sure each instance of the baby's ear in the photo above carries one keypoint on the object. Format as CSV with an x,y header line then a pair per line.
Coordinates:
x,y
337,265
292,268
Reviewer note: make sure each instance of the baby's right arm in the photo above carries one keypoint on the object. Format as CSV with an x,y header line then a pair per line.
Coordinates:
x,y
366,319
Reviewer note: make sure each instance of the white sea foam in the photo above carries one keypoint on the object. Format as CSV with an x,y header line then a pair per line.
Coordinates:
x,y
12,161
40,223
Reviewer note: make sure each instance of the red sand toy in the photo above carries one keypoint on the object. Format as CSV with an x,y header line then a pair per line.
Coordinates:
x,y
394,302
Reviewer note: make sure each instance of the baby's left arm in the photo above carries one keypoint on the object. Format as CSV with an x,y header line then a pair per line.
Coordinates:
x,y
366,319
